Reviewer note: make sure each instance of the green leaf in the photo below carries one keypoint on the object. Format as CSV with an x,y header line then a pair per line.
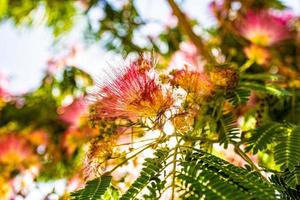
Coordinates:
x,y
293,178
285,191
229,132
93,190
239,96
263,136
111,194
268,88
149,174
287,151
262,77
206,176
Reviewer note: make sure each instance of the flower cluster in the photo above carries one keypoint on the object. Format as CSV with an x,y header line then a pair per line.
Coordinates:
x,y
16,152
264,27
218,93
133,94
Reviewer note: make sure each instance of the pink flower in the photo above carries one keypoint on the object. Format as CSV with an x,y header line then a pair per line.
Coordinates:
x,y
187,55
71,114
265,27
14,151
132,94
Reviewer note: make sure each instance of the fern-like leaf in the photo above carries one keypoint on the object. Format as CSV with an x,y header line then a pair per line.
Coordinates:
x,y
93,190
149,173
285,191
261,77
205,176
293,178
229,132
238,96
287,151
268,88
155,188
263,136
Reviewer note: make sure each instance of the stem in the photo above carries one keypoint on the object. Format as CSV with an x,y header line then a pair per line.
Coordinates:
x,y
294,104
140,141
174,171
238,150
248,160
202,139
246,65
130,157
186,27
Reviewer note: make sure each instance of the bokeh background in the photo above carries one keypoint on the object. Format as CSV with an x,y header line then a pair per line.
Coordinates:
x,y
24,52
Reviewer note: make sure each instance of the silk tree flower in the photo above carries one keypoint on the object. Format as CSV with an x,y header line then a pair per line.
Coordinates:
x,y
131,95
265,28
194,83
188,72
15,152
72,113
258,54
187,55
224,77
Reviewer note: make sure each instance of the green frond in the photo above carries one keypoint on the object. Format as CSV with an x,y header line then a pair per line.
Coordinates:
x,y
93,190
149,175
287,151
229,132
263,136
267,88
205,176
155,188
111,194
293,177
285,191
262,77
238,96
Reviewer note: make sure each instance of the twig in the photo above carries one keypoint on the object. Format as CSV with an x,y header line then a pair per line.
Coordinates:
x,y
246,65
245,157
186,27
127,159
174,170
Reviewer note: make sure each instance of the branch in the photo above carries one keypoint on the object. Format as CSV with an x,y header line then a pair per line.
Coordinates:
x,y
186,27
241,153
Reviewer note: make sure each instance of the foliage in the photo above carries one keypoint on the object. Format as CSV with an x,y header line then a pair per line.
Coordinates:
x,y
94,189
204,175
214,118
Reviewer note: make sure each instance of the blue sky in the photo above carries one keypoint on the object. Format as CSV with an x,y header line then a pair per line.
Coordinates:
x,y
24,52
